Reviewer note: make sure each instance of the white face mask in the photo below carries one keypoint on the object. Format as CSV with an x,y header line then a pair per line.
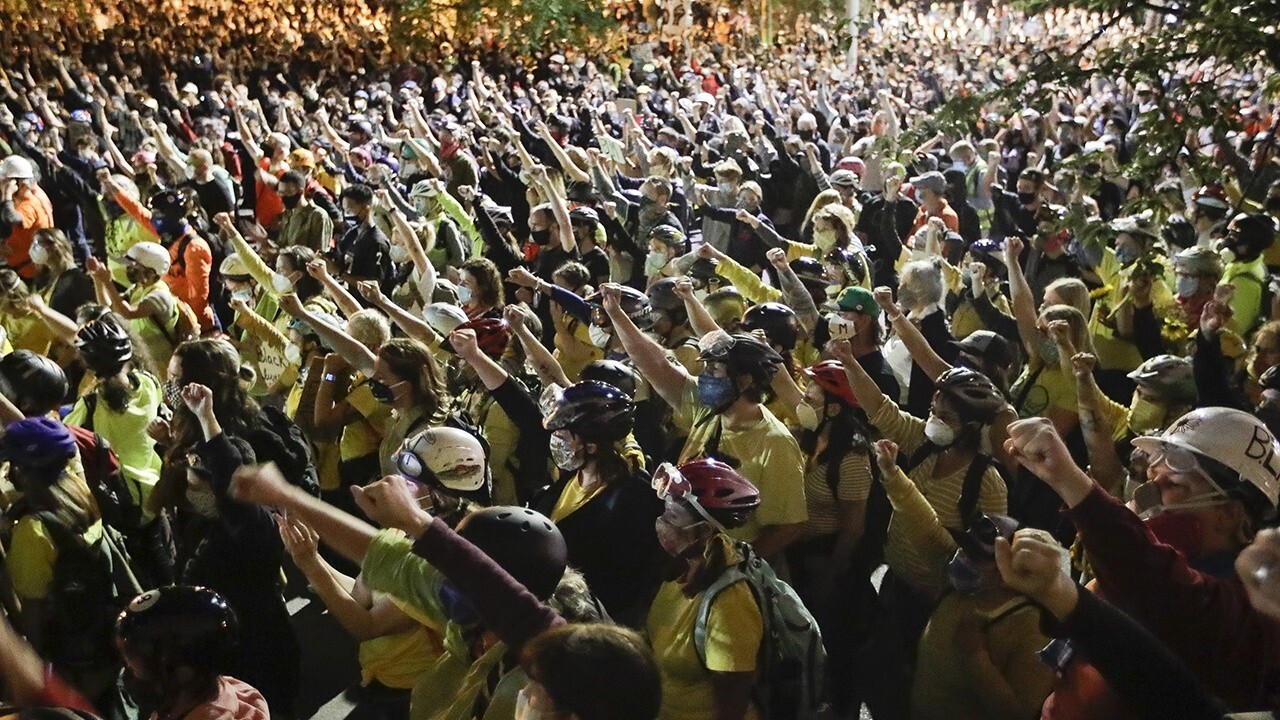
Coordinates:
x,y
565,455
281,284
242,294
39,254
599,336
840,328
293,354
807,416
464,293
398,254
654,262
938,432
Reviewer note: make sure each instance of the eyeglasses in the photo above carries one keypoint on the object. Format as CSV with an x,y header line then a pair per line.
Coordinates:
x,y
669,484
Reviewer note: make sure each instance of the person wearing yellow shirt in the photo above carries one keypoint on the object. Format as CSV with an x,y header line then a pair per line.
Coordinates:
x,y
712,677
726,416
1246,239
26,330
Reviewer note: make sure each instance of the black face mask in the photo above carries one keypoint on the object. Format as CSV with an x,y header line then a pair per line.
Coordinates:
x,y
291,201
381,392
541,237
806,135
1027,198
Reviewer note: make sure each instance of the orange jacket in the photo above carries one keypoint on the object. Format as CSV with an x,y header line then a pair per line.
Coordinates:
x,y
37,214
187,279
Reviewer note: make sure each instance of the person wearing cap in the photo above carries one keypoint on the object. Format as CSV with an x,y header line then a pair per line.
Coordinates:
x,y
857,319
1211,483
147,303
1196,271
964,157
1210,207
715,229
1135,284
847,183
24,209
931,193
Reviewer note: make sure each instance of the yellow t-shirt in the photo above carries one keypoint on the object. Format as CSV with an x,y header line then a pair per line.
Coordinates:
x,y
27,332
735,629
127,432
363,436
572,498
1051,389
767,455
32,555
397,661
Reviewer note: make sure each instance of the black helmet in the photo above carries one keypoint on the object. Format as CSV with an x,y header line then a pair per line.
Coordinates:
x,y
178,624
611,372
809,270
597,411
634,303
105,347
1178,232
1253,230
32,382
584,216
662,295
704,269
170,203
776,320
668,235
974,393
744,354
524,543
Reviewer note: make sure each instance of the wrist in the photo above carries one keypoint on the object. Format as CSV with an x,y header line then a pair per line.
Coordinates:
x,y
417,522
1061,598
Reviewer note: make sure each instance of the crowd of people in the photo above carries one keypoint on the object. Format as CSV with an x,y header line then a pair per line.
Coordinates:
x,y
593,385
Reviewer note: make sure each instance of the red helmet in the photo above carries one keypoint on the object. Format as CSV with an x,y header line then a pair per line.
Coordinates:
x,y
830,376
852,164
1211,195
492,335
721,491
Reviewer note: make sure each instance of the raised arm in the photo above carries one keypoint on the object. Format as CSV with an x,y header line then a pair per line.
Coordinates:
x,y
360,357
921,352
1021,301
543,360
669,378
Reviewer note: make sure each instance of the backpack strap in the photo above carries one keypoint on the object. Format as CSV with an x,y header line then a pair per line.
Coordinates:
x,y
913,461
90,406
1025,390
972,487
730,576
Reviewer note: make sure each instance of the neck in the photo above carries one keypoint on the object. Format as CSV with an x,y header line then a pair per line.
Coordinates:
x,y
862,344
743,412
589,474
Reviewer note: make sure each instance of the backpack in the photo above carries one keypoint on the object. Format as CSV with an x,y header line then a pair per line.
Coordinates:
x,y
117,501
279,440
791,669
186,328
91,584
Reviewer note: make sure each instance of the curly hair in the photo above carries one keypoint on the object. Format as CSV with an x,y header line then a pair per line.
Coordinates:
x,y
411,361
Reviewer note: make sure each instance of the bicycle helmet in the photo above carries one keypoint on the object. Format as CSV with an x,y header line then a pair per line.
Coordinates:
x,y
1211,195
32,382
597,411
777,321
234,268
612,372
830,376
1178,232
743,354
38,444
105,347
978,541
704,269
662,295
178,625
721,491
444,317
446,457
668,235
523,542
492,335
1198,260
1255,231
584,216
634,303
1170,376
974,393
171,203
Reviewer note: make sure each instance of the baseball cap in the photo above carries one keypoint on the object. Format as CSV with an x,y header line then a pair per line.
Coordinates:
x,y
988,345
932,180
860,299
844,178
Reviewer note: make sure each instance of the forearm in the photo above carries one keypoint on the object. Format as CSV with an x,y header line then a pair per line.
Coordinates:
x,y
354,617
346,302
487,369
921,352
543,360
346,534
63,327
351,350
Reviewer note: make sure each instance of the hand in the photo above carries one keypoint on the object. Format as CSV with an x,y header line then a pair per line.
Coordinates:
x,y
1060,331
709,252
777,257
1033,565
1082,365
370,291
887,457
104,178
35,304
300,540
684,289
884,298
97,270
290,303
978,278
464,343
198,399
611,298
745,218
842,350
514,315
1012,250
1258,566
224,221
1213,317
391,502
1037,446
158,430
522,277
318,269
260,485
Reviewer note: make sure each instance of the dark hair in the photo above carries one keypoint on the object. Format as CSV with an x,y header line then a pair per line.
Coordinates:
x,y
574,273
846,435
293,177
488,281
215,364
298,256
596,671
360,193
1034,175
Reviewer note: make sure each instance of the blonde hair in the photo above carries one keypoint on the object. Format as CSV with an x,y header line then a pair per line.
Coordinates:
x,y
1073,292
1080,336
824,198
370,328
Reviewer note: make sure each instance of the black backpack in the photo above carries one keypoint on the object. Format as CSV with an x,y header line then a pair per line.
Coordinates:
x,y
279,440
91,584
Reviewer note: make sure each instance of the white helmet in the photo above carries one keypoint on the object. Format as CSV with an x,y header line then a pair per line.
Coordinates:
x,y
16,167
449,457
1230,437
233,267
1170,375
444,317
150,255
